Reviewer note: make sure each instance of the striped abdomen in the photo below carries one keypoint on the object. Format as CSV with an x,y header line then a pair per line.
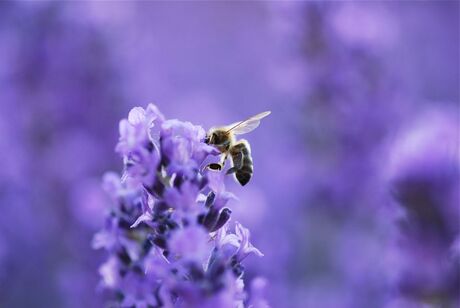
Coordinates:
x,y
242,161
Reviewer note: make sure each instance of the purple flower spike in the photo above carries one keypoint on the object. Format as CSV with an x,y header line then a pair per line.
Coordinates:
x,y
424,174
167,231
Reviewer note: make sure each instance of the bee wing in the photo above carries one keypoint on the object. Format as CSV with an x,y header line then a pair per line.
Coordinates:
x,y
248,125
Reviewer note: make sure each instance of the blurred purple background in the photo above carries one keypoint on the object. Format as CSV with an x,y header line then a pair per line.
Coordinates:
x,y
356,167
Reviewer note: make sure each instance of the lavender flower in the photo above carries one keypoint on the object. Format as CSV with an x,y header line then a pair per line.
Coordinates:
x,y
167,232
424,173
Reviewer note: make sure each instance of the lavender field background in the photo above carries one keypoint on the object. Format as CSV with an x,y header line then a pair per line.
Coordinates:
x,y
355,195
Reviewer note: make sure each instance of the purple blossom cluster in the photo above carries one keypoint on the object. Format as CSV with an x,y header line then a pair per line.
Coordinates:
x,y
424,175
168,234
352,112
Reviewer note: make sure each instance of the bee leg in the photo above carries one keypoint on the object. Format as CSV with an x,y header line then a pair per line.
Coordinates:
x,y
215,166
222,160
232,170
218,166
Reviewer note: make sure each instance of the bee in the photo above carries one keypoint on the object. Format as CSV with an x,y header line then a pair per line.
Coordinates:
x,y
223,138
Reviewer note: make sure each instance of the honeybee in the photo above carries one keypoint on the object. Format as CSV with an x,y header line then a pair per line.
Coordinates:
x,y
223,138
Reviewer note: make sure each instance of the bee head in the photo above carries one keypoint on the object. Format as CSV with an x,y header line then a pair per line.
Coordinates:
x,y
218,137
210,137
